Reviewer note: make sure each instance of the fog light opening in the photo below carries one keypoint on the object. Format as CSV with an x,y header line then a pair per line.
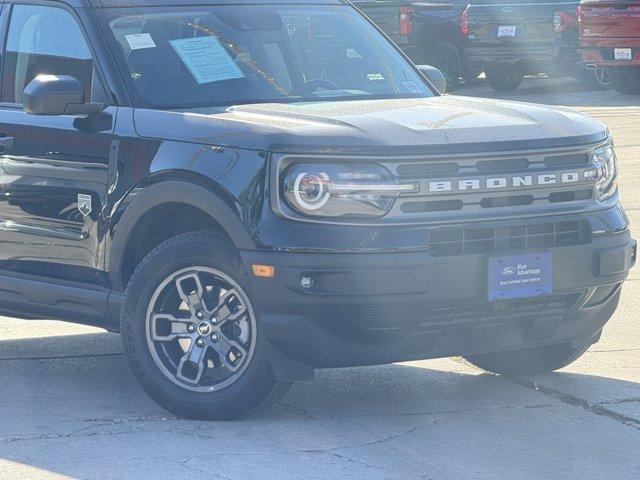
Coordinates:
x,y
307,282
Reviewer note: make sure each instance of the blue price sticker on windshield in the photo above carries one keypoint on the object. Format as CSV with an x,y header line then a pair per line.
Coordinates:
x,y
206,59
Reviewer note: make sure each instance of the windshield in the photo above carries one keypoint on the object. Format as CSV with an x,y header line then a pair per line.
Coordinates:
x,y
226,55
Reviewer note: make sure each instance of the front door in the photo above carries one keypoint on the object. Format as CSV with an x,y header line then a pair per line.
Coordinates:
x,y
53,177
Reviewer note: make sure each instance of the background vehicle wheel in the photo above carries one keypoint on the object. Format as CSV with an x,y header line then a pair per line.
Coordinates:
x,y
191,334
504,78
471,74
595,79
450,63
626,83
528,361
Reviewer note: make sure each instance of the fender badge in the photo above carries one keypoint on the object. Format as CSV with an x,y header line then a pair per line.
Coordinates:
x,y
507,9
84,204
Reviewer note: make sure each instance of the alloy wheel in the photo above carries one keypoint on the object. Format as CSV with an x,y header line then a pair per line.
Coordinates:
x,y
201,329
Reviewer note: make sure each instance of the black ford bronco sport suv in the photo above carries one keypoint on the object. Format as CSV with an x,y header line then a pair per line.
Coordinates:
x,y
251,191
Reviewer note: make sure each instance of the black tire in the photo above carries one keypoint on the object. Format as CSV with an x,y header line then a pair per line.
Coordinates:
x,y
594,80
626,83
450,64
529,361
504,79
255,385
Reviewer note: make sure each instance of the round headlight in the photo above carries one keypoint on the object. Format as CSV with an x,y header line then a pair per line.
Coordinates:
x,y
337,190
311,190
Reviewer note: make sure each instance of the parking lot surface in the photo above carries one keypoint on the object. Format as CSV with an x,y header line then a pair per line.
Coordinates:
x,y
70,408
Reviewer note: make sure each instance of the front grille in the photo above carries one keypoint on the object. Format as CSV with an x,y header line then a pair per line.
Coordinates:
x,y
465,241
471,184
506,308
566,160
422,316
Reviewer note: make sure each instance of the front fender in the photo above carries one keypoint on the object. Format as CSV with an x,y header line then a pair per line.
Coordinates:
x,y
141,200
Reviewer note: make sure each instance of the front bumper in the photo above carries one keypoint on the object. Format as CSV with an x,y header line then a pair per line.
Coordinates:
x,y
376,308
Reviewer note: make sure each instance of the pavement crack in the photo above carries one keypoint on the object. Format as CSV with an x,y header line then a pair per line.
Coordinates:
x,y
296,409
389,438
311,416
334,451
192,468
324,451
357,462
57,436
567,398
133,419
619,401
614,350
62,357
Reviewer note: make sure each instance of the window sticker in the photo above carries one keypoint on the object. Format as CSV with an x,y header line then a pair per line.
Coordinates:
x,y
353,53
375,77
138,41
206,59
412,87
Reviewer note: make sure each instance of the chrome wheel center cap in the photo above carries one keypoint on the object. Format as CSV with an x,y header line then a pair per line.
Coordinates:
x,y
204,328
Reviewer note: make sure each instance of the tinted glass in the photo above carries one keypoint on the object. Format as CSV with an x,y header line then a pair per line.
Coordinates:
x,y
223,55
44,40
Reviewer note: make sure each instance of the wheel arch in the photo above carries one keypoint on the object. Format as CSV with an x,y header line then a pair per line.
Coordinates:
x,y
143,199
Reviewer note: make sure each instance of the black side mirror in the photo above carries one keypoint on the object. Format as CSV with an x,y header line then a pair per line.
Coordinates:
x,y
57,95
435,76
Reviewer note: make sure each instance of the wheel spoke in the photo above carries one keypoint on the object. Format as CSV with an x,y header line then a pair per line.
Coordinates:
x,y
194,358
193,298
178,327
226,347
224,313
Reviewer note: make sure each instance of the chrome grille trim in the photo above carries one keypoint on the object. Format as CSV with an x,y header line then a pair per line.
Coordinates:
x,y
471,184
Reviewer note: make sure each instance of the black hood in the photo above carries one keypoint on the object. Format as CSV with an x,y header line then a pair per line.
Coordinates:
x,y
447,123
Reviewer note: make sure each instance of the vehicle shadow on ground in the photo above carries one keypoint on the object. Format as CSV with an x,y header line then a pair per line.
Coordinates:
x,y
70,401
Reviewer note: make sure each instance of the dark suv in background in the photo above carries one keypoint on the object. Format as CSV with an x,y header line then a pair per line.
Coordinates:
x,y
512,39
249,191
428,33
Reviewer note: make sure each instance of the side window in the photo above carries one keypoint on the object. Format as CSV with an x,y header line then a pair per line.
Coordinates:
x,y
47,40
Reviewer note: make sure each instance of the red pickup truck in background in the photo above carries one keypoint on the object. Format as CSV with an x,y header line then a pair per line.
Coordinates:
x,y
610,39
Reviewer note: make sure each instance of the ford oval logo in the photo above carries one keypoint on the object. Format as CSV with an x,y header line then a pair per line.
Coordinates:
x,y
507,9
506,271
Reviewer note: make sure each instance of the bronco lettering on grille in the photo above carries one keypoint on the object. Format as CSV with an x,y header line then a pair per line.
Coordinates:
x,y
512,182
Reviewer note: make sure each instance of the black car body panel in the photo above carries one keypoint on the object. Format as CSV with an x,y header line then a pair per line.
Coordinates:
x,y
408,285
451,124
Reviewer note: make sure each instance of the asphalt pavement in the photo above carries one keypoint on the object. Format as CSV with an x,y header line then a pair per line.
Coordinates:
x,y
70,408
